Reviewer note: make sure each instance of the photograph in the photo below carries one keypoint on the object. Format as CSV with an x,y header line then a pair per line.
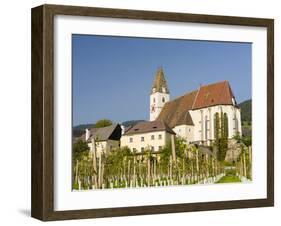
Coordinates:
x,y
156,112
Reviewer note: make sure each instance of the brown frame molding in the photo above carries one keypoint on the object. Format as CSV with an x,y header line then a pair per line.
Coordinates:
x,y
42,200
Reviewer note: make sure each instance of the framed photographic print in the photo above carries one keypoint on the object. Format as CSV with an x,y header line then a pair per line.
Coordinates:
x,y
142,112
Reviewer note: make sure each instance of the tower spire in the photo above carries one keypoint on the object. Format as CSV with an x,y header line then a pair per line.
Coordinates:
x,y
159,94
160,84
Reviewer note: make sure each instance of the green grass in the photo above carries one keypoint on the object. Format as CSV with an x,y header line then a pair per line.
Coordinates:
x,y
229,179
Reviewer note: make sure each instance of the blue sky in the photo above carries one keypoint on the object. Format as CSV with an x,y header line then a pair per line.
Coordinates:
x,y
112,76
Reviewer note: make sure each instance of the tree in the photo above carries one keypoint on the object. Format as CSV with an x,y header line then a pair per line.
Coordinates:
x,y
221,134
80,148
103,123
80,152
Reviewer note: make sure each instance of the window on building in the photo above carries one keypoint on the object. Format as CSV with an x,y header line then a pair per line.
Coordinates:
x,y
154,100
142,149
152,137
216,125
220,125
225,125
206,127
152,148
160,148
163,99
131,139
159,136
110,147
142,138
134,150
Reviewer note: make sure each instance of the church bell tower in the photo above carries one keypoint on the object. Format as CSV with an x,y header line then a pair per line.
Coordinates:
x,y
159,94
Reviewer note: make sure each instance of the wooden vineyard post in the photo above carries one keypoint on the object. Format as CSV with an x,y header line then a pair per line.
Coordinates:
x,y
173,148
244,164
94,154
134,172
99,181
148,170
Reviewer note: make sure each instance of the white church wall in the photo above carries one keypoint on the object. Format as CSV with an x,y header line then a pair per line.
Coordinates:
x,y
199,117
185,131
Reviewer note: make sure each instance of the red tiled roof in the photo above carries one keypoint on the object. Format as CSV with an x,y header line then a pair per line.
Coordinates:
x,y
176,112
214,94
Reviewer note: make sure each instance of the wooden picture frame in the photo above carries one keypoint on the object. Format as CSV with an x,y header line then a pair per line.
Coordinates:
x,y
42,203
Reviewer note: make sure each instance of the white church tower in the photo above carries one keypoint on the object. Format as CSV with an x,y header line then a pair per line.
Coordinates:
x,y
159,94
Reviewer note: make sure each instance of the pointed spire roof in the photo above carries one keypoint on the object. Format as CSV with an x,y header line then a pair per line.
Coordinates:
x,y
160,82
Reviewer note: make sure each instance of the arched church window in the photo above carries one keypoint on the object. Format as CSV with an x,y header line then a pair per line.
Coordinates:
x,y
220,125
163,99
206,127
216,125
225,125
154,100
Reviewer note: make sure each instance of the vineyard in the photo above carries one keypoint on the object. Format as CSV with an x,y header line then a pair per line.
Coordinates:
x,y
177,164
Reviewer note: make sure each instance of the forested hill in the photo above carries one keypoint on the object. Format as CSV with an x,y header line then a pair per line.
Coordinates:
x,y
246,110
80,129
131,122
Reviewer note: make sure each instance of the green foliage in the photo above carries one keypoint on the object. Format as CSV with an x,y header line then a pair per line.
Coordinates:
x,y
103,123
243,140
221,134
246,110
80,149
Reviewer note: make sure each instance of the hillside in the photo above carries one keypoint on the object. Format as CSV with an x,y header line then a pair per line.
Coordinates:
x,y
246,117
246,110
131,122
77,131
80,129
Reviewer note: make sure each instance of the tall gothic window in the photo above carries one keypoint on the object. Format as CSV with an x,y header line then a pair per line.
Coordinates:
x,y
225,124
220,125
206,127
216,125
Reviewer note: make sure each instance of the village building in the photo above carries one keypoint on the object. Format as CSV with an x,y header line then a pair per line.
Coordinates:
x,y
143,136
196,116
193,115
105,139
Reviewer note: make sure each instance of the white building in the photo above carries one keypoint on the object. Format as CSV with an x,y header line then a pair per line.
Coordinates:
x,y
147,136
193,116
105,138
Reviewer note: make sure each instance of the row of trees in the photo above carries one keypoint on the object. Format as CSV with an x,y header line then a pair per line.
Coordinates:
x,y
183,164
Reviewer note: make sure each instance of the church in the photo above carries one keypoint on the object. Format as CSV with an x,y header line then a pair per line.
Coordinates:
x,y
192,116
